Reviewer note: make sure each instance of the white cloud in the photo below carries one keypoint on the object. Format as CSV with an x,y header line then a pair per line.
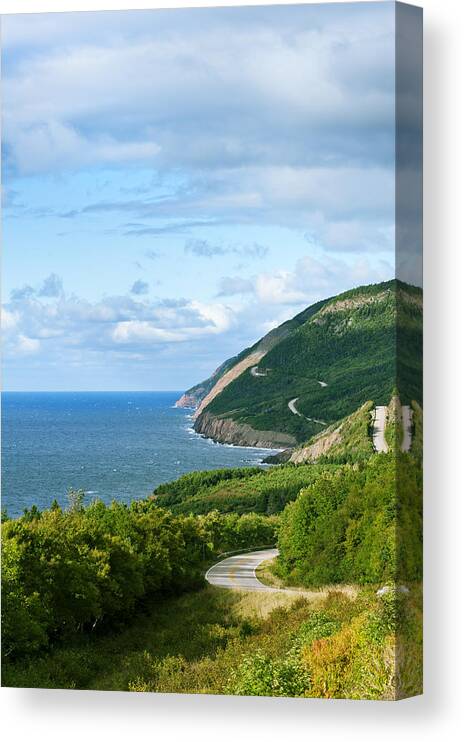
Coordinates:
x,y
9,319
312,280
267,116
237,89
213,319
134,331
205,249
233,285
278,288
217,317
40,146
26,345
68,322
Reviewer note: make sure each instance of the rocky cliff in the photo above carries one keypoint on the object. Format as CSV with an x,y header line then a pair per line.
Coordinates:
x,y
188,401
226,430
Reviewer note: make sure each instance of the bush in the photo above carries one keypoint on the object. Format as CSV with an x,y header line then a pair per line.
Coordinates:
x,y
67,572
259,675
360,524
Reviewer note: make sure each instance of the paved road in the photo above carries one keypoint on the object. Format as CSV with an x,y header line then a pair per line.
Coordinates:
x,y
254,372
378,430
407,427
238,572
292,408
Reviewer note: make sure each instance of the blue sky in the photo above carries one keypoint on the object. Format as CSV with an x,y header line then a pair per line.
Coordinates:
x,y
176,183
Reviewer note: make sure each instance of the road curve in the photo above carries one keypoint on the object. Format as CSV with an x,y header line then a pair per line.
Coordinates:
x,y
292,408
239,572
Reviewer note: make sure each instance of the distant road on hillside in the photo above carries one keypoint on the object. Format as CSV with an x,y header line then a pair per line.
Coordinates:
x,y
378,430
292,408
255,372
406,414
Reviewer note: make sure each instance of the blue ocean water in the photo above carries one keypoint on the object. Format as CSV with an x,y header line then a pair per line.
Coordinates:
x,y
113,445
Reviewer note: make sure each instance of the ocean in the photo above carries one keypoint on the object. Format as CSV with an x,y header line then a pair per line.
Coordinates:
x,y
113,445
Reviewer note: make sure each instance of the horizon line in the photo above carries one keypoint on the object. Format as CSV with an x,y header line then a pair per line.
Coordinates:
x,y
91,391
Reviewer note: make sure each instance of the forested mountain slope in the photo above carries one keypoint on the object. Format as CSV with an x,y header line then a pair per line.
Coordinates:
x,y
320,367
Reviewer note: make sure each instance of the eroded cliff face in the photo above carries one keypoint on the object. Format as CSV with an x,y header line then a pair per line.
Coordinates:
x,y
189,401
321,446
226,430
226,378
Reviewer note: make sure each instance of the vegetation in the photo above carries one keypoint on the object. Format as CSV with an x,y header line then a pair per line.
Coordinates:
x,y
345,526
346,441
72,579
68,572
199,391
237,490
189,485
417,434
216,641
394,424
351,525
350,343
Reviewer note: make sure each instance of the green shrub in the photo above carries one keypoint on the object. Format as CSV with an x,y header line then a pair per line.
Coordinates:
x,y
259,675
357,524
67,572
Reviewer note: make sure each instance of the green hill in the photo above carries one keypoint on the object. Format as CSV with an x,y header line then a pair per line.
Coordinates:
x,y
345,441
237,490
318,368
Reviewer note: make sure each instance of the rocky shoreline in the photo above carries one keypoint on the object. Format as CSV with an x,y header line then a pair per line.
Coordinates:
x,y
226,430
187,401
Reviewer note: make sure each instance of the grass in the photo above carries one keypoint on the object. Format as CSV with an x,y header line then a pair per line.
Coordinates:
x,y
254,643
265,574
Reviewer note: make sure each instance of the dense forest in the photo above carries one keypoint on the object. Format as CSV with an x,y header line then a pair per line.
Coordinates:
x,y
361,525
236,490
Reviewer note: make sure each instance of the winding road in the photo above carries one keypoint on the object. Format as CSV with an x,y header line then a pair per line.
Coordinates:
x,y
239,572
292,408
378,429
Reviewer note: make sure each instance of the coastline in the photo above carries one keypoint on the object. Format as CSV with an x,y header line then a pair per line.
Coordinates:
x,y
227,430
139,441
262,449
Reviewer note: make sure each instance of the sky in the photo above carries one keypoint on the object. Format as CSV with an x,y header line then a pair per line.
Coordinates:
x,y
176,183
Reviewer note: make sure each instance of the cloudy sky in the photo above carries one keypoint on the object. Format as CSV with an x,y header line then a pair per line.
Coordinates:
x,y
176,183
